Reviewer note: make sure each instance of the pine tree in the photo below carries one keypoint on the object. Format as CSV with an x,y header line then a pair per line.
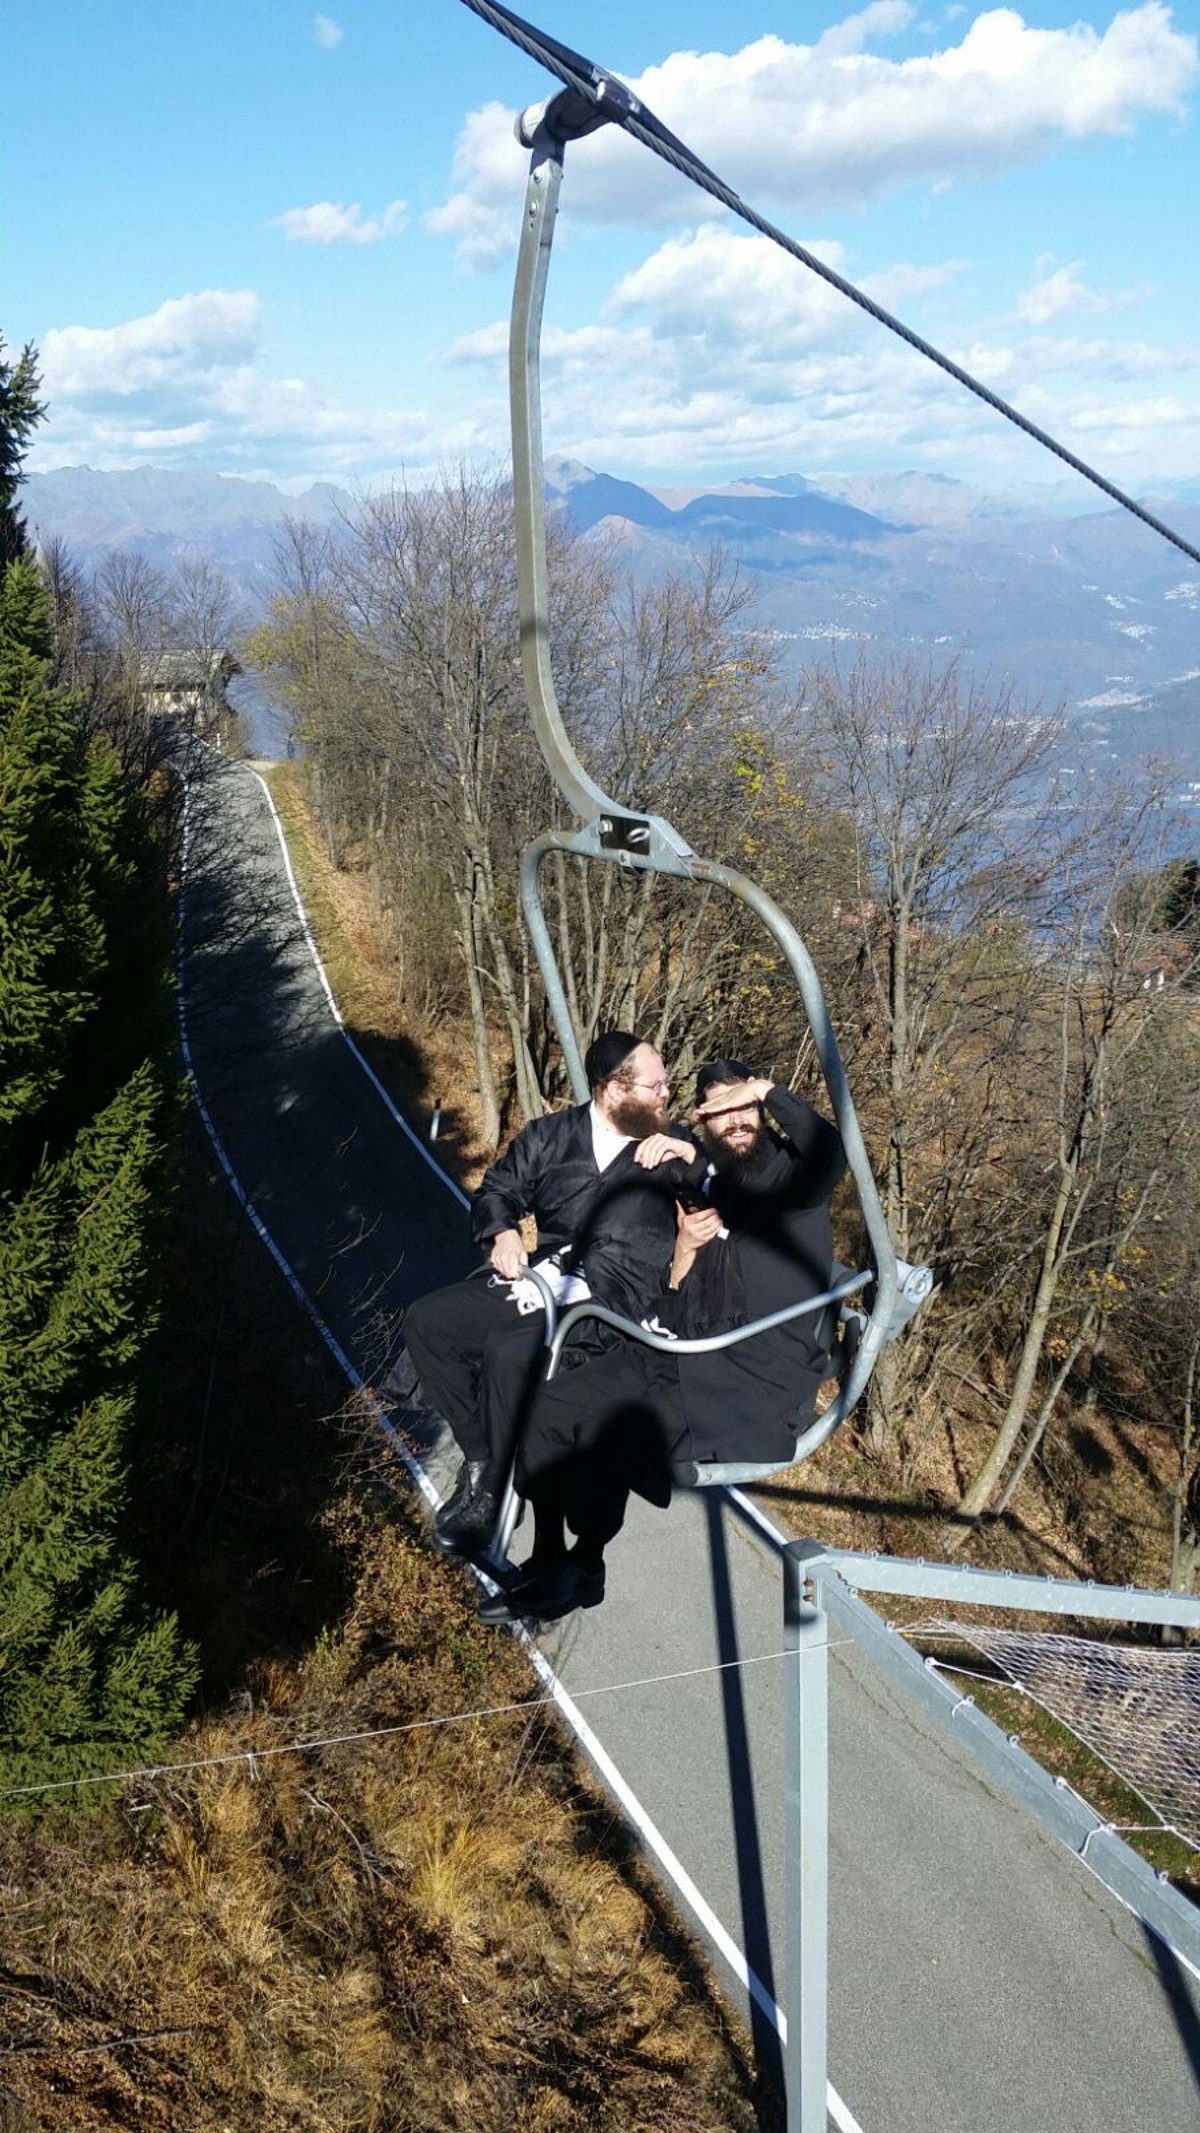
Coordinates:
x,y
87,1677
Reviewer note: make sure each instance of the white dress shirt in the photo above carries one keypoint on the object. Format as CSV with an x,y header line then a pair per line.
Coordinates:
x,y
607,1142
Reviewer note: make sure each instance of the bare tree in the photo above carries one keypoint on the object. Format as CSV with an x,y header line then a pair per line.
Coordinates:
x,y
679,720
1104,1021
402,643
935,782
132,605
77,650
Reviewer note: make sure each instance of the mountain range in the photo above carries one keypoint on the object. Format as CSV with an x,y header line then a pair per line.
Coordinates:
x,y
1056,594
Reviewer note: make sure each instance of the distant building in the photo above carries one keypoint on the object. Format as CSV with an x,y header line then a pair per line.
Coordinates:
x,y
191,685
1169,960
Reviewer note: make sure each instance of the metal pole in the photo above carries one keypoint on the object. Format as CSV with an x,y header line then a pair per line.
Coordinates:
x,y
806,1773
543,948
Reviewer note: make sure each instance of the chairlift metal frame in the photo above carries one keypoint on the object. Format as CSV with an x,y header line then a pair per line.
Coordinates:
x,y
613,834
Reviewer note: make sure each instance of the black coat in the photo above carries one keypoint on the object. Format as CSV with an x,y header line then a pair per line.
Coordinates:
x,y
617,1226
779,1250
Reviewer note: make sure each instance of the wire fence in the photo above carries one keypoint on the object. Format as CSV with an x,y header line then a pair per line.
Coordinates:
x,y
1138,1710
252,1757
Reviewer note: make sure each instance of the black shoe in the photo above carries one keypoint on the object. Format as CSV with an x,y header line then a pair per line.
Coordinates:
x,y
546,1595
464,1524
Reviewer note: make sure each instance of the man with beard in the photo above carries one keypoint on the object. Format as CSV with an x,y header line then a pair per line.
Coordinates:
x,y
604,1227
762,1242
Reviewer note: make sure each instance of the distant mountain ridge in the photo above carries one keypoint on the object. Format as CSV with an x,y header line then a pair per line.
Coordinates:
x,y
163,513
781,503
160,500
1082,605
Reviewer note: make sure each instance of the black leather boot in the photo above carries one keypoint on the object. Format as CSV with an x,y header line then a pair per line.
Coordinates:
x,y
463,1526
546,1593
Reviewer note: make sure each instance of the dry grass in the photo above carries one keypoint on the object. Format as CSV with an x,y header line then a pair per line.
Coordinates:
x,y
418,1063
1093,1505
434,1930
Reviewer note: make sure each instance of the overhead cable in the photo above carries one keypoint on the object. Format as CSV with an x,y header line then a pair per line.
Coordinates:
x,y
606,93
252,1757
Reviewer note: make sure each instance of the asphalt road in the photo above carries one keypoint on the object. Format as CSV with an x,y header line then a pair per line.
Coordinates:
x,y
981,1978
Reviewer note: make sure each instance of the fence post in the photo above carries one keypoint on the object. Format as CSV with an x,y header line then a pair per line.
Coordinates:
x,y
806,1772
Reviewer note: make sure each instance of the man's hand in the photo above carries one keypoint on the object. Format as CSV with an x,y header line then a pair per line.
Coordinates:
x,y
508,1255
692,1232
661,1148
738,1098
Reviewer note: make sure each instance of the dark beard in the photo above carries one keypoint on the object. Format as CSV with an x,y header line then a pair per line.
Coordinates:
x,y
740,1162
633,1115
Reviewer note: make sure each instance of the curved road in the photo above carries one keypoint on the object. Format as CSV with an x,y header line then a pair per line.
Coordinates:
x,y
981,1978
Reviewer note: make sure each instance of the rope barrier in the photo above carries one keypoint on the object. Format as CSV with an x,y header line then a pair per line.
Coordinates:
x,y
253,1756
605,92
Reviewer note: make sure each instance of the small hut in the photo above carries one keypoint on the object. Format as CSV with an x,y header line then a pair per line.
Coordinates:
x,y
191,686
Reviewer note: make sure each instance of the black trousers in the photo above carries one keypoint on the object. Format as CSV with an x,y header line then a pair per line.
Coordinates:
x,y
479,1361
612,1424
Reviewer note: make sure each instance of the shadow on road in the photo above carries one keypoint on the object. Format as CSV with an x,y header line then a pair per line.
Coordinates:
x,y
1183,1997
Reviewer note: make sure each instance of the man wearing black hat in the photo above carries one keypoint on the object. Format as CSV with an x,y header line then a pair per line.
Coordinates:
x,y
763,1242
604,1229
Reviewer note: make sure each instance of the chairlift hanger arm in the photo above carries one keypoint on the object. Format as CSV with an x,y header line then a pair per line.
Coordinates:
x,y
594,97
529,494
608,830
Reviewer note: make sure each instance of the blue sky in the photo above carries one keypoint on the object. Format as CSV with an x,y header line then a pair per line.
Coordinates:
x,y
279,242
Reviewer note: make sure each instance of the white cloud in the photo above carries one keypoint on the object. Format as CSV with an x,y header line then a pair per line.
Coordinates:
x,y
1055,290
328,222
720,351
899,284
716,285
1109,359
327,33
877,20
738,306
187,384
830,123
213,329
1128,420
490,168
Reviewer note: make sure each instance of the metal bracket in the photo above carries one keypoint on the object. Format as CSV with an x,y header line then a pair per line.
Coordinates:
x,y
571,115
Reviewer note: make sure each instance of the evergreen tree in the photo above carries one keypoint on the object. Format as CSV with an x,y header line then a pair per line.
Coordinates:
x,y
87,1679
20,413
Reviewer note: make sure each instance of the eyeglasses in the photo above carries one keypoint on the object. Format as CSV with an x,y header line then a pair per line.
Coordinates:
x,y
655,1088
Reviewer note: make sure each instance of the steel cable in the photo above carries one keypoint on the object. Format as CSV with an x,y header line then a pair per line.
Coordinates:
x,y
618,103
309,1744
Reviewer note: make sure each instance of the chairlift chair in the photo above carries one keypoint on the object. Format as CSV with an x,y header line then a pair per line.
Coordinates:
x,y
613,835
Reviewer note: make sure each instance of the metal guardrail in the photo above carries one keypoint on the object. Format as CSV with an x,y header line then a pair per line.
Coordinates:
x,y
821,1589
